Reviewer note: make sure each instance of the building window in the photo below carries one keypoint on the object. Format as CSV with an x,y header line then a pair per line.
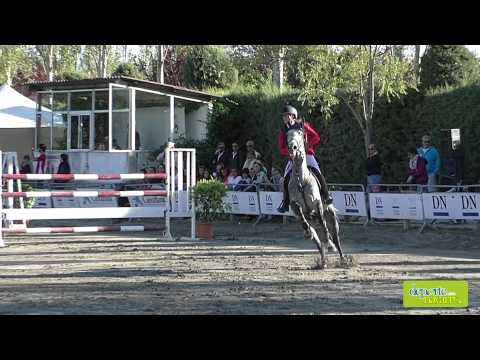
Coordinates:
x,y
101,100
101,131
80,101
59,131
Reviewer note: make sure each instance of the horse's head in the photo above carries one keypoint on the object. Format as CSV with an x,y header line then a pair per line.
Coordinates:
x,y
296,144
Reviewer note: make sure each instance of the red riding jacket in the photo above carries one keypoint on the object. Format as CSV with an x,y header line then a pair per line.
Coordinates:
x,y
312,138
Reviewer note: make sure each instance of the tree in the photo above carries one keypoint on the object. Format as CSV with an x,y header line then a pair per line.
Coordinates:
x,y
128,69
13,58
209,66
356,75
447,65
100,60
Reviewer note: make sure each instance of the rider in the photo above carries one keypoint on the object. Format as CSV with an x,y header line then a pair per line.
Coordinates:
x,y
291,121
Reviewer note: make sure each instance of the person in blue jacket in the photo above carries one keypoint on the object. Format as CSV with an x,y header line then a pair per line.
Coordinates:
x,y
431,154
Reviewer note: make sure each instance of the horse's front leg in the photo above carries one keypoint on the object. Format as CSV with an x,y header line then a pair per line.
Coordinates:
x,y
309,232
333,227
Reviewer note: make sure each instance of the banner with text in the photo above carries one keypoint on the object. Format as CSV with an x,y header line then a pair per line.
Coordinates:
x,y
270,201
349,203
396,206
452,206
242,203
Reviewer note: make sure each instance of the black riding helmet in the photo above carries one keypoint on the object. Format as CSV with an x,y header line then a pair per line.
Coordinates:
x,y
291,110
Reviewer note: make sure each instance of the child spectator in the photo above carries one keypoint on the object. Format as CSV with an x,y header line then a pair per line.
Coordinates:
x,y
417,169
233,179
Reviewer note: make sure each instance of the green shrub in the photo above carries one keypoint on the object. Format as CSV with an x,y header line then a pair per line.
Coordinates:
x,y
208,196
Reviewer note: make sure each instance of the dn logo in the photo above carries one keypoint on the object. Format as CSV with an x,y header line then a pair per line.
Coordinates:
x,y
439,202
469,202
251,200
350,200
378,201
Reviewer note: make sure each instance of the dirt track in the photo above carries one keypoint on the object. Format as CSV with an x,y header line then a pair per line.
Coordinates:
x,y
248,270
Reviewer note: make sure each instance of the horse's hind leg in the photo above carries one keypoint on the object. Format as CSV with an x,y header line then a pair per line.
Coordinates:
x,y
334,228
310,232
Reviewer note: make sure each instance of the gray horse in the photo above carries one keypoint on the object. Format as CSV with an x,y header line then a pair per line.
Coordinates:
x,y
305,199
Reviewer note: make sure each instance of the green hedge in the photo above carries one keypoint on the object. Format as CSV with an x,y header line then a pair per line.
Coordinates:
x,y
397,125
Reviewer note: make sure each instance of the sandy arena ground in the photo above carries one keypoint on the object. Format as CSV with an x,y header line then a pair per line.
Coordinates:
x,y
267,269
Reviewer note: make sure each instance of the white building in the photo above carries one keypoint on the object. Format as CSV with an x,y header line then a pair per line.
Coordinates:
x,y
114,124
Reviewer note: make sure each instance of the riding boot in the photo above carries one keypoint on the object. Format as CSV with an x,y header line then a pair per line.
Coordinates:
x,y
285,205
323,186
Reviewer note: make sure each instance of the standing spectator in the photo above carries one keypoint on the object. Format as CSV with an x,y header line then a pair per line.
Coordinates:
x,y
251,146
220,156
233,179
236,158
374,168
455,164
41,159
244,182
276,179
26,166
432,156
64,167
417,168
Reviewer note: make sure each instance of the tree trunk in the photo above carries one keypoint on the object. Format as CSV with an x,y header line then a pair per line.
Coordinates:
x,y
50,62
160,63
279,68
416,63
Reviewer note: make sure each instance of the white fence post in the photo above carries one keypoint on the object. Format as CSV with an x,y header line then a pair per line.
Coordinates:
x,y
2,244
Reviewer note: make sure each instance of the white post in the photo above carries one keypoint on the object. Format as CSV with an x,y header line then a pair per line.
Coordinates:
x,y
2,244
172,117
193,181
169,193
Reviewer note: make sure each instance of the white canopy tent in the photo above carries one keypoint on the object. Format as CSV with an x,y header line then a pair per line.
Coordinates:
x,y
16,110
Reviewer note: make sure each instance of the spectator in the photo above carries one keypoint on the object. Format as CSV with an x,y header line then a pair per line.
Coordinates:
x,y
206,174
218,170
236,158
244,182
251,146
26,166
224,172
374,168
233,179
276,179
41,159
259,178
432,156
220,156
64,167
250,160
455,164
417,168
200,173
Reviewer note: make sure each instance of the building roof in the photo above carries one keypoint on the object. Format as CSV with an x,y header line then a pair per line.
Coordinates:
x,y
122,80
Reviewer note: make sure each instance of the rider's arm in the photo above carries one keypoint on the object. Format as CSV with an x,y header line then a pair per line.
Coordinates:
x,y
313,137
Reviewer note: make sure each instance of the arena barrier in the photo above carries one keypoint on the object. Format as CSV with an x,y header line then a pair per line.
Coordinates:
x,y
403,203
180,177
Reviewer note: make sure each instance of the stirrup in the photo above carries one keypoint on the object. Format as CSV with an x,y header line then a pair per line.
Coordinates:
x,y
283,208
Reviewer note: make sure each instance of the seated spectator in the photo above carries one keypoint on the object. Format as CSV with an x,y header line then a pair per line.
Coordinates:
x,y
259,178
276,180
233,179
250,160
200,173
417,168
224,175
218,171
244,182
26,167
207,175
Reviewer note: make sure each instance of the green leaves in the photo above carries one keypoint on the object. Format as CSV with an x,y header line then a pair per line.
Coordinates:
x,y
208,196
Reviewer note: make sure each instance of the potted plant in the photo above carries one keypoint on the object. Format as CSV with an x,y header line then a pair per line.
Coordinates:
x,y
208,196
